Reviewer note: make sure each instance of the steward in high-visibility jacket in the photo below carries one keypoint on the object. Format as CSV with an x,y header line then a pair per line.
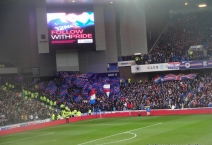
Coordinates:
x,y
58,116
53,117
79,113
72,113
67,117
69,114
63,113
89,112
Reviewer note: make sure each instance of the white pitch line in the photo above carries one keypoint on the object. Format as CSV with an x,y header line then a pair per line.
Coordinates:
x,y
144,127
109,123
26,138
104,124
30,131
88,120
120,133
121,140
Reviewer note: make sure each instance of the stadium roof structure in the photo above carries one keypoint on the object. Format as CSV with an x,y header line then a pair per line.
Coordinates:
x,y
169,4
165,2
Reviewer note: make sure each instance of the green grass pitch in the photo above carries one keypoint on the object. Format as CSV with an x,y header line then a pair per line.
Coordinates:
x,y
152,130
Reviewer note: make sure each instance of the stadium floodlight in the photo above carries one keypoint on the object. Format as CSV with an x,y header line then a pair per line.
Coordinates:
x,y
202,5
137,54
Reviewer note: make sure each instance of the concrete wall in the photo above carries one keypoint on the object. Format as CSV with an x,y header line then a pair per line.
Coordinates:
x,y
132,27
96,61
126,72
19,37
67,60
125,34
157,17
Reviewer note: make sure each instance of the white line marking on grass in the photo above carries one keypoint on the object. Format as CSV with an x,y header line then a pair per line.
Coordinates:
x,y
145,127
121,133
27,138
121,140
30,131
88,120
99,124
119,123
105,124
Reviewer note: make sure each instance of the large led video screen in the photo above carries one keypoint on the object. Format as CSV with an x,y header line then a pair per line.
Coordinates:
x,y
71,30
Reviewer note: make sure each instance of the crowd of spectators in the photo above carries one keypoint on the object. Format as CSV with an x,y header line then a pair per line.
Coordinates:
x,y
136,95
16,109
180,94
184,31
188,93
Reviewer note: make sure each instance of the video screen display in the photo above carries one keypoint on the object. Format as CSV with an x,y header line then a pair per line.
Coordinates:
x,y
71,29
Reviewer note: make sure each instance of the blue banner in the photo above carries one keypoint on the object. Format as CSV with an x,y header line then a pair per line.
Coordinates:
x,y
5,128
195,64
171,66
23,124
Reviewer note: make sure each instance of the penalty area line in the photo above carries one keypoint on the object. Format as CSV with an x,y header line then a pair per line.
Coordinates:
x,y
129,131
27,138
121,140
61,125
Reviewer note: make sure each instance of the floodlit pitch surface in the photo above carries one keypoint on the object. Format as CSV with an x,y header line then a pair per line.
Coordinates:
x,y
152,130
